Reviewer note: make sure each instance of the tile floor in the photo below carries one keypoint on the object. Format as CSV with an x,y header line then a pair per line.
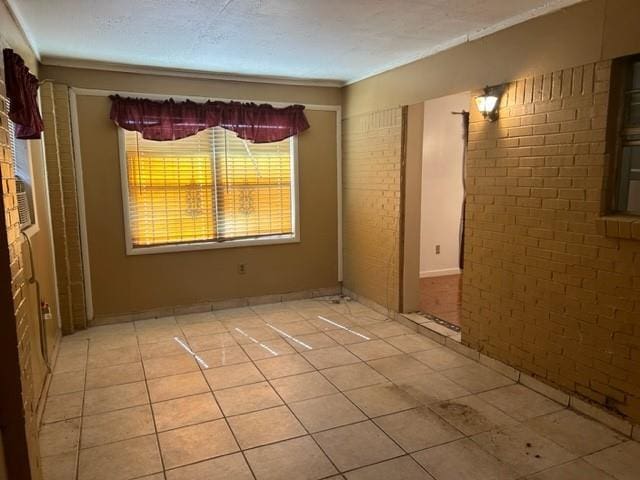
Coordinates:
x,y
304,390
442,297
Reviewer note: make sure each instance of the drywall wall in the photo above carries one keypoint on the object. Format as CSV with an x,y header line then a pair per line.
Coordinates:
x,y
442,186
124,284
410,210
180,85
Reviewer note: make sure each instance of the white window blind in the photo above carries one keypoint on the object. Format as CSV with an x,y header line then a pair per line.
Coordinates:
x,y
12,135
210,187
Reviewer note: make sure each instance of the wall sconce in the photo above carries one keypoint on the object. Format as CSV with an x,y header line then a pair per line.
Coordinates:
x,y
487,104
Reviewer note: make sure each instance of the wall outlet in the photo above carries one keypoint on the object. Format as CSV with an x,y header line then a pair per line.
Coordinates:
x,y
242,268
437,249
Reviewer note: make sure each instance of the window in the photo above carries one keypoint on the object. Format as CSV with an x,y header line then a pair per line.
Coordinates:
x,y
23,174
206,191
627,81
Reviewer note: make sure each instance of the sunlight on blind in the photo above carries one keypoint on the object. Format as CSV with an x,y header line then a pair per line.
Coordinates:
x,y
253,186
208,187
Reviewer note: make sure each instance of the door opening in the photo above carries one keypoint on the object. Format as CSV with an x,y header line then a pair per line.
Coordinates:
x,y
442,208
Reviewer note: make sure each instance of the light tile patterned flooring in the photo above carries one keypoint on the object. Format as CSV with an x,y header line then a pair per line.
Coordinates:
x,y
303,390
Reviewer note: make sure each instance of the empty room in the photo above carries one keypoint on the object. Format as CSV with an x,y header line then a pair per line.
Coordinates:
x,y
320,240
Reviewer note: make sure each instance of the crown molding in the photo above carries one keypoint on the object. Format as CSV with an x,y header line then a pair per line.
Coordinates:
x,y
547,8
185,73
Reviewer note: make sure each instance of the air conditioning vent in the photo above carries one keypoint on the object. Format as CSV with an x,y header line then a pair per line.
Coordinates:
x,y
24,208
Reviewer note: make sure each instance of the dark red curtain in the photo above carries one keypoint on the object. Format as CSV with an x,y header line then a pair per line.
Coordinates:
x,y
22,90
171,120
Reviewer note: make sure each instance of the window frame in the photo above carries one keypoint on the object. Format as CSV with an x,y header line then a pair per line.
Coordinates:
x,y
211,244
616,131
34,227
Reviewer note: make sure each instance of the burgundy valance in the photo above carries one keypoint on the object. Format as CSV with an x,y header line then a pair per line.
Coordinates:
x,y
171,120
22,90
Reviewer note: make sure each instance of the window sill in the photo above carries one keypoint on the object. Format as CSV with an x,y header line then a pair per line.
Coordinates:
x,y
619,226
187,247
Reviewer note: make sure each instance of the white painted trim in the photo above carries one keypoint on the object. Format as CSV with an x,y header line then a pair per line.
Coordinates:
x,y
295,188
47,201
186,73
547,8
124,189
213,244
339,190
440,273
189,247
82,215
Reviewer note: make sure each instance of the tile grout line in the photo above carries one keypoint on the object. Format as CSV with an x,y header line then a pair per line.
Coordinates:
x,y
290,411
81,423
284,403
153,417
345,346
224,417
368,419
464,436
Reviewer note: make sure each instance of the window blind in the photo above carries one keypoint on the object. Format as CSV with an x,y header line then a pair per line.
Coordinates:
x,y
210,187
12,135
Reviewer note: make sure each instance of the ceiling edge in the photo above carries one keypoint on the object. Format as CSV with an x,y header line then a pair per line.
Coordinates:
x,y
549,7
22,26
185,73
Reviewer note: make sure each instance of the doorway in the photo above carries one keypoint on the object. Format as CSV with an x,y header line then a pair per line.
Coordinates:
x,y
442,208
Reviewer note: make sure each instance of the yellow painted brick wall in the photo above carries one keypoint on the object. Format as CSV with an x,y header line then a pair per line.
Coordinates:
x,y
372,145
19,286
543,290
64,205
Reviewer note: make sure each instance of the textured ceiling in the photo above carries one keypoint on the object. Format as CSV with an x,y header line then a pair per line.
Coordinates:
x,y
340,40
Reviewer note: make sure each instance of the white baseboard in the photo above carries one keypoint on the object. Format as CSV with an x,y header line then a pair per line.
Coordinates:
x,y
440,273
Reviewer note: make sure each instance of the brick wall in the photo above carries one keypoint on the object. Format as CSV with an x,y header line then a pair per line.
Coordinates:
x,y
543,290
371,204
64,205
17,262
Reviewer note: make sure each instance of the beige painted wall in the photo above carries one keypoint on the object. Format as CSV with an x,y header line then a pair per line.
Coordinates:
x,y
442,187
171,85
124,284
583,33
411,209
